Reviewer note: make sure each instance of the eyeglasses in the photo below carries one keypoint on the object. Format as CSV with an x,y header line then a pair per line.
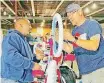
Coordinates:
x,y
71,14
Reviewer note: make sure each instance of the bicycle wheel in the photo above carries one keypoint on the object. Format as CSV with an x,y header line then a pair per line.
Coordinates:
x,y
67,75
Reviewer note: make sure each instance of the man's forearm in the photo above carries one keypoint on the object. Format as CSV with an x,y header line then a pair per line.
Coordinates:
x,y
88,44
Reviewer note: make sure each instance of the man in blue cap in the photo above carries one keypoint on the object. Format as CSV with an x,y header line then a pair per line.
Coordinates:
x,y
88,44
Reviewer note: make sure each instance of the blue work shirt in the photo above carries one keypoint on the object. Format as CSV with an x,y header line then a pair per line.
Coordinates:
x,y
16,59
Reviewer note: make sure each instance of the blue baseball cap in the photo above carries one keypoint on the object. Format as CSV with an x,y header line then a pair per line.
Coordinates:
x,y
72,7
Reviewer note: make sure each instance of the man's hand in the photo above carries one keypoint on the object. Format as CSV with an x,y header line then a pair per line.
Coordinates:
x,y
36,67
45,58
39,57
68,35
39,54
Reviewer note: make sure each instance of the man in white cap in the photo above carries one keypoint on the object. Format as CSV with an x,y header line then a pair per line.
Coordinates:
x,y
88,44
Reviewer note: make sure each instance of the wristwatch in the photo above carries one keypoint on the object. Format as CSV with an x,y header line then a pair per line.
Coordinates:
x,y
76,38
